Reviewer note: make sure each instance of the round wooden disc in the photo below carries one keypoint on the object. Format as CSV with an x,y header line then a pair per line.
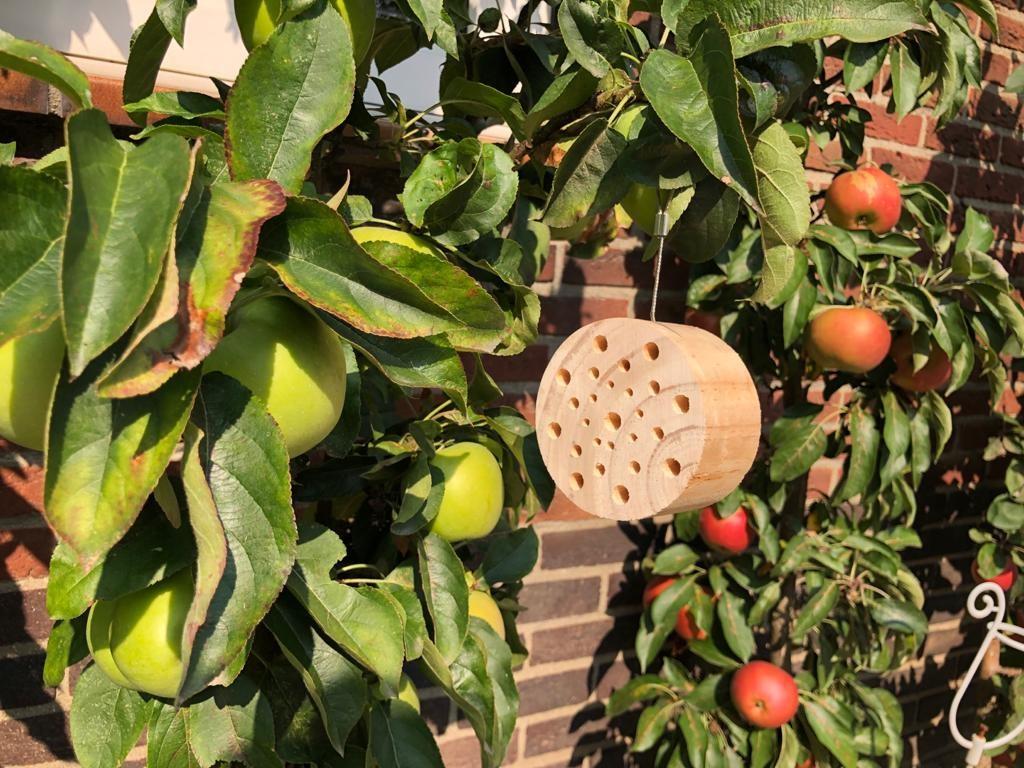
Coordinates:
x,y
636,418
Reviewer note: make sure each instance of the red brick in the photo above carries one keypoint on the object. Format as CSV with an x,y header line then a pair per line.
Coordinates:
x,y
557,599
618,267
826,159
23,682
21,491
528,366
995,66
584,731
561,315
913,168
1012,152
593,546
25,553
25,618
1011,30
547,272
582,641
884,125
539,694
563,510
991,106
823,478
21,93
35,740
988,184
963,141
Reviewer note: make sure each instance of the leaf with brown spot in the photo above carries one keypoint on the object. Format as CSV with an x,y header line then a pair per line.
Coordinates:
x,y
184,321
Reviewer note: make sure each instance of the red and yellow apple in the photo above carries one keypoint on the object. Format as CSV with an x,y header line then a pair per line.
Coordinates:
x,y
934,374
765,695
850,339
730,534
136,639
29,366
474,493
867,198
291,360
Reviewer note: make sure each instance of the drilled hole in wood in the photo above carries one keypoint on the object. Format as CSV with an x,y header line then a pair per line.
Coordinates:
x,y
682,404
634,467
586,422
577,480
593,398
574,403
655,387
659,433
555,429
673,467
639,413
623,364
632,437
564,377
612,421
597,441
594,373
651,351
621,494
611,446
611,384
599,469
600,343
577,450
628,392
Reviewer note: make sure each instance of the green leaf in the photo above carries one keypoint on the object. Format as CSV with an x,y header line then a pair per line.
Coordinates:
x,y
173,14
755,26
697,99
151,551
941,420
239,498
363,622
147,48
987,11
782,187
186,104
789,750
906,79
233,724
784,271
566,92
498,665
442,580
1015,81
675,559
43,63
734,625
1005,514
399,738
334,683
861,62
900,616
168,740
864,442
429,362
480,100
65,646
106,720
797,311
184,320
31,242
511,557
437,24
589,179
652,723
636,689
816,610
585,25
317,258
695,735
124,202
460,191
272,131
831,733
795,450
704,227
104,457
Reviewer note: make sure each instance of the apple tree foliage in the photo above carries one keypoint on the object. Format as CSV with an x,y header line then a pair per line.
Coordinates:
x,y
825,591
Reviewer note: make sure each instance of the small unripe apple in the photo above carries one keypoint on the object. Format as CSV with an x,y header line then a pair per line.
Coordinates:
x,y
850,339
483,606
933,375
407,692
29,366
474,493
765,695
867,198
136,639
641,201
1004,579
291,360
730,534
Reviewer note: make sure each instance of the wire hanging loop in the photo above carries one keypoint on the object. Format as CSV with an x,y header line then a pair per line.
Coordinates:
x,y
660,232
986,600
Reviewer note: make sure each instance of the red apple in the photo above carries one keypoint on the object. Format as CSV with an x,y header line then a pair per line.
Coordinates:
x,y
1004,580
726,534
655,587
851,339
934,375
686,627
867,198
765,695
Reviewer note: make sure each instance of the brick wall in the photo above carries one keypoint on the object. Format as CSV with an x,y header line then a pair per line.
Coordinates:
x,y
583,599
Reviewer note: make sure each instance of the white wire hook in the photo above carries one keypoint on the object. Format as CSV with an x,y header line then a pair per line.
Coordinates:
x,y
986,599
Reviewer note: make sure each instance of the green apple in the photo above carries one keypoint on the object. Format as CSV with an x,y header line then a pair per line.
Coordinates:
x,y
483,606
291,360
136,639
256,19
641,202
407,692
29,366
474,493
